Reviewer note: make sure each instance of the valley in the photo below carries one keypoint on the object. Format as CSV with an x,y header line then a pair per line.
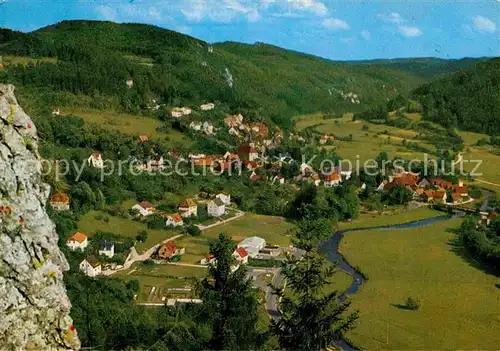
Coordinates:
x,y
217,213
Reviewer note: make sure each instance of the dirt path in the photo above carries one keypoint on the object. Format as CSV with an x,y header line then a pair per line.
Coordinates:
x,y
205,227
486,182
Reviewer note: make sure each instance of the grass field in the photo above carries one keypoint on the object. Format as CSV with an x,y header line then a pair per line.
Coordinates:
x,y
128,124
366,143
275,230
161,278
460,308
367,220
89,224
23,60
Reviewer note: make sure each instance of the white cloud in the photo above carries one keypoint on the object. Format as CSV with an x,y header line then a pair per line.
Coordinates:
x,y
392,17
107,13
410,31
366,35
221,10
129,12
484,24
335,24
315,6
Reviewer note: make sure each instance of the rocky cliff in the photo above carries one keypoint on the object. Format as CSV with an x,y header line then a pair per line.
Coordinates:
x,y
34,307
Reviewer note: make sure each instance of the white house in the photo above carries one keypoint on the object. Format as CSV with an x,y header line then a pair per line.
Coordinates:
x,y
95,160
216,208
176,113
241,255
174,220
208,127
210,259
226,198
207,107
91,266
56,112
77,241
195,125
253,245
107,249
188,208
130,83
144,208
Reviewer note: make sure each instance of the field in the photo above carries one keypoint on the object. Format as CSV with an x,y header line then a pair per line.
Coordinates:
x,y
367,143
128,124
367,220
161,278
89,224
459,301
275,230
23,60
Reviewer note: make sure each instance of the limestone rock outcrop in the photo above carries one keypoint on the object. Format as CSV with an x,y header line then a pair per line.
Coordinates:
x,y
34,306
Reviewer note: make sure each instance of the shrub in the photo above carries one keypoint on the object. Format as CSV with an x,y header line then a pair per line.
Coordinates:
x,y
194,230
142,236
413,303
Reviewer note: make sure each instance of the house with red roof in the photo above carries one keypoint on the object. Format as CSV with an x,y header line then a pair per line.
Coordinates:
x,y
174,220
142,138
169,250
247,153
241,255
59,202
144,208
332,179
77,241
188,208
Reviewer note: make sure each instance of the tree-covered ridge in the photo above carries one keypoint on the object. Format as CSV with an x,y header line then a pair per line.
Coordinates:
x,y
427,67
469,99
95,58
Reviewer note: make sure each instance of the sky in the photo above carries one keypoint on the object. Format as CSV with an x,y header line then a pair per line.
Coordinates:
x,y
334,29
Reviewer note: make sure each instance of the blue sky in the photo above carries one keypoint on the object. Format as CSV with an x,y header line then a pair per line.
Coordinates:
x,y
335,29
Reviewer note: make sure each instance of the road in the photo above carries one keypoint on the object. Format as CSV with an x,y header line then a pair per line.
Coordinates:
x,y
205,227
271,299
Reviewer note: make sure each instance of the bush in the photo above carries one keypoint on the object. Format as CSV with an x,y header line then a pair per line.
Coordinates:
x,y
148,262
413,303
194,230
142,236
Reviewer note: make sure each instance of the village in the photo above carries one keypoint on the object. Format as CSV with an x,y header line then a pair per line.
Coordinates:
x,y
250,160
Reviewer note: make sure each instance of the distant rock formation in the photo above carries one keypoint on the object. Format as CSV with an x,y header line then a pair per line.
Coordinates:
x,y
34,307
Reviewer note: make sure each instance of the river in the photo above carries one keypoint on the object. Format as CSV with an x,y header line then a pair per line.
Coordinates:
x,y
331,249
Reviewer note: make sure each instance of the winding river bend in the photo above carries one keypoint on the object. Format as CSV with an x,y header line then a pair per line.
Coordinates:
x,y
331,249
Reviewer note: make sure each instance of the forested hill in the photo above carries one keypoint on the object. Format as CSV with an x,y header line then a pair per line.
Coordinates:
x,y
426,67
88,62
469,99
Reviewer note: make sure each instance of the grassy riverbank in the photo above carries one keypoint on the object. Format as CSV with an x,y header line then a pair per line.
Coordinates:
x,y
459,301
368,220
